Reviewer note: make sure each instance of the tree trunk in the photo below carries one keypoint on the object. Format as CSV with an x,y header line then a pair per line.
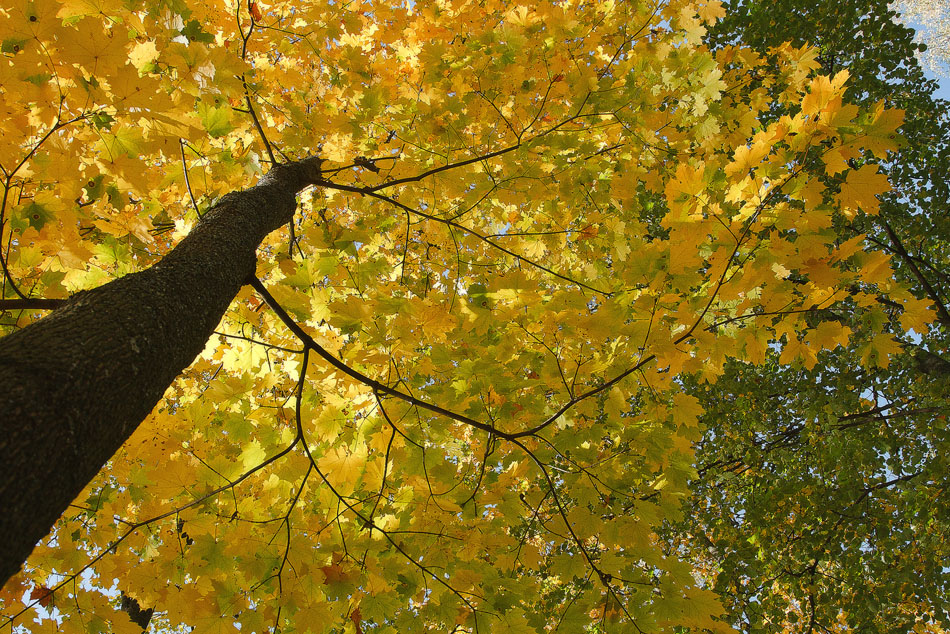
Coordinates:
x,y
76,384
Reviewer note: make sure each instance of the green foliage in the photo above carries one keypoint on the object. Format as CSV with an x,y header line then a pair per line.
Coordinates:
x,y
820,499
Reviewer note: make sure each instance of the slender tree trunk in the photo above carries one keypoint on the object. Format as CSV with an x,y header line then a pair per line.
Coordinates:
x,y
76,384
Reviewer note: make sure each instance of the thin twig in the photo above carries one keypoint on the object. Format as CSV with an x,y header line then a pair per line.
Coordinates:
x,y
184,169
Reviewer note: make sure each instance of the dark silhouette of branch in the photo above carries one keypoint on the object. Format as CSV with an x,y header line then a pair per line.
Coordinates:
x,y
942,314
359,376
31,303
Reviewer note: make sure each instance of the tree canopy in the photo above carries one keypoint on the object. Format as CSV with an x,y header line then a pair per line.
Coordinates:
x,y
821,488
594,321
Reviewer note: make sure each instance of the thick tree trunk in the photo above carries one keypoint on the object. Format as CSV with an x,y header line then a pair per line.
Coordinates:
x,y
75,385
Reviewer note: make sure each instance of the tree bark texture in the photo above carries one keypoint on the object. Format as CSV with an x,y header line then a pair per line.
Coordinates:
x,y
76,384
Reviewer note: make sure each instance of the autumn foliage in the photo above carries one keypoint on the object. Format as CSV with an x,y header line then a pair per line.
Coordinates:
x,y
452,400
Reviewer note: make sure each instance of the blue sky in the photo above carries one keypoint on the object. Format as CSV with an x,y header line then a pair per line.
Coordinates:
x,y
944,91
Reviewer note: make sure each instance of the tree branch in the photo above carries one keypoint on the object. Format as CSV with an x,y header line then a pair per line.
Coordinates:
x,y
31,303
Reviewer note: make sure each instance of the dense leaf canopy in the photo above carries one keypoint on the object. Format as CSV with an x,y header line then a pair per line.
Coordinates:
x,y
596,321
821,490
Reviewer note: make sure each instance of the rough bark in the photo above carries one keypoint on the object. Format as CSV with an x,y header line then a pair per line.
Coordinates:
x,y
76,384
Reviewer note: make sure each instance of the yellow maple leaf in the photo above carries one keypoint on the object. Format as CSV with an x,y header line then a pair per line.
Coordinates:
x,y
828,335
711,11
143,54
688,183
819,94
881,134
252,455
861,189
918,313
747,156
687,409
822,91
798,349
879,351
836,159
344,467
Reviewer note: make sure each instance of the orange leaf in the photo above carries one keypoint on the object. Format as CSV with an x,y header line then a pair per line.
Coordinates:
x,y
357,618
43,595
